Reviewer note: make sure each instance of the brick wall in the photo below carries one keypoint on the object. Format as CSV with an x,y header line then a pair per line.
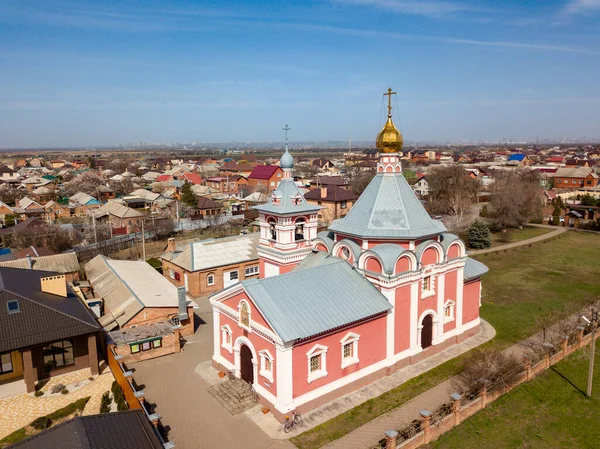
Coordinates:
x,y
170,345
151,315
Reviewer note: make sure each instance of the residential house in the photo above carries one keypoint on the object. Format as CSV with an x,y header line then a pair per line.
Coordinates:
x,y
226,184
575,178
45,329
128,429
201,190
105,193
123,219
150,313
6,233
43,195
265,178
325,181
421,186
54,210
5,211
207,207
7,174
336,201
29,208
192,178
323,164
57,164
81,203
208,266
519,159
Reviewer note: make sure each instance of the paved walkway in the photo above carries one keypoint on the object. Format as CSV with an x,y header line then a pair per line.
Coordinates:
x,y
540,238
18,411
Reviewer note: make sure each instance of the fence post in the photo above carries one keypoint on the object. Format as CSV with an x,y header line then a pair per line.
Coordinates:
x,y
483,395
527,363
580,330
456,407
548,347
563,345
426,414
390,439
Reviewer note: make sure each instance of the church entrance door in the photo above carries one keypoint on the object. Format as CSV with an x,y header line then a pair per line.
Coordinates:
x,y
427,332
246,365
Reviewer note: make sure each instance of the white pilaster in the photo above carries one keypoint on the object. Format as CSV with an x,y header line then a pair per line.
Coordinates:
x,y
414,315
441,283
283,361
390,322
459,298
216,332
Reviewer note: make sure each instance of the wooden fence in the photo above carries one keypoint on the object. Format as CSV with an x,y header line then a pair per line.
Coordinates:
x,y
458,408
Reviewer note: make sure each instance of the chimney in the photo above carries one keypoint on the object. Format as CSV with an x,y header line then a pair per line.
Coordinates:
x,y
171,244
323,192
55,285
182,301
29,262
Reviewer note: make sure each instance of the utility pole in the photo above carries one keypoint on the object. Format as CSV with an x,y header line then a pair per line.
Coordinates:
x,y
592,351
143,241
177,206
94,226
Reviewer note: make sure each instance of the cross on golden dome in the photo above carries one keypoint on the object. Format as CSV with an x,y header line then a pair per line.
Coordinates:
x,y
389,139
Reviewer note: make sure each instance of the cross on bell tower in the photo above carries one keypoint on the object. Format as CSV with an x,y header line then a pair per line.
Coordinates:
x,y
389,95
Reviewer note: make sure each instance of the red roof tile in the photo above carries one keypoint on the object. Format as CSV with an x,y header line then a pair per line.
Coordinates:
x,y
263,171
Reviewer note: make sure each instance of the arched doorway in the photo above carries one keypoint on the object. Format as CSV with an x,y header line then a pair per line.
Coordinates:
x,y
427,332
246,365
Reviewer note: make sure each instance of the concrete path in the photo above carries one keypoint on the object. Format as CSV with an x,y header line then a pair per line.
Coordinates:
x,y
367,435
540,238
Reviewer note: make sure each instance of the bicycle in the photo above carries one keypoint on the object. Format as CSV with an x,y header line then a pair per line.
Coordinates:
x,y
290,423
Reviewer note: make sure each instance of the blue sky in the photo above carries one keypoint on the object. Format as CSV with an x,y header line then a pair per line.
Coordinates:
x,y
109,72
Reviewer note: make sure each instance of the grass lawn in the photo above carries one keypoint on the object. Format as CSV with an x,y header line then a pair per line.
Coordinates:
x,y
550,411
521,284
518,235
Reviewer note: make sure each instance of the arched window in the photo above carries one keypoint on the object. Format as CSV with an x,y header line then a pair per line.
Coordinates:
x,y
299,232
345,253
210,279
272,229
244,314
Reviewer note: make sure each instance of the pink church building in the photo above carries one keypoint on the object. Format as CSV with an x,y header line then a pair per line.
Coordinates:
x,y
384,287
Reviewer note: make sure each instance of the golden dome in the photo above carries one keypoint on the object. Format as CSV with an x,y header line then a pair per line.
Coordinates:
x,y
389,139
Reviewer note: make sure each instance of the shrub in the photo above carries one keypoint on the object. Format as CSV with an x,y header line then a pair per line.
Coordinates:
x,y
57,388
479,235
64,391
41,423
489,368
38,393
114,387
105,403
484,211
505,236
73,407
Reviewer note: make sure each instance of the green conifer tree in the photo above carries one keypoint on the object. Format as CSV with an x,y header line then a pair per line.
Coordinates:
x,y
479,235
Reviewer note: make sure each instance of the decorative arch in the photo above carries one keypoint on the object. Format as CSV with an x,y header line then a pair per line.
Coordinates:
x,y
272,222
346,249
210,278
423,248
320,246
299,230
455,250
434,328
406,262
241,340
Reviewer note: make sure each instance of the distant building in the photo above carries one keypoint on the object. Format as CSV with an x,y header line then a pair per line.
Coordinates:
x,y
575,178
335,200
265,178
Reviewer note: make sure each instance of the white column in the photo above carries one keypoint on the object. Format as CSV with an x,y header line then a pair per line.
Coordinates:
x,y
283,369
390,322
441,283
216,333
459,298
414,316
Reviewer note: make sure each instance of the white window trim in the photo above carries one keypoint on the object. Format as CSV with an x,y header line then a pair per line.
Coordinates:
x,y
242,325
226,330
350,338
213,279
264,355
431,291
251,271
321,351
452,305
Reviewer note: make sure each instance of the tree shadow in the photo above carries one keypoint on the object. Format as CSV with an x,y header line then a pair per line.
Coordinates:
x,y
553,368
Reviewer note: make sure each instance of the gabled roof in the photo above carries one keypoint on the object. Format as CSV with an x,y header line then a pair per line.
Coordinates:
x,y
334,193
43,317
116,209
207,203
81,198
516,157
164,178
287,199
211,253
330,180
34,251
32,221
388,208
308,302
579,172
263,172
58,263
193,178
128,286
129,429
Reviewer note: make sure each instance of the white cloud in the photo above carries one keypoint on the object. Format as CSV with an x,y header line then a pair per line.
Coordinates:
x,y
411,7
582,6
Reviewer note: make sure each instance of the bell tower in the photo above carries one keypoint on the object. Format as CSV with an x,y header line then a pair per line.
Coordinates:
x,y
288,224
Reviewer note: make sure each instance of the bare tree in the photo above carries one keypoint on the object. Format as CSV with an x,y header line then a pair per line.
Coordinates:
x,y
359,178
9,195
88,182
102,231
121,187
452,191
48,236
515,198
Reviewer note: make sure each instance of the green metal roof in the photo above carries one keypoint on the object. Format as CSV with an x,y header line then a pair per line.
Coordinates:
x,y
308,302
388,208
